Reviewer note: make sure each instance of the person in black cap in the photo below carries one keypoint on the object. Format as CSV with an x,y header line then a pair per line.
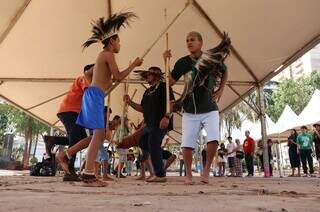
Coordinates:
x,y
157,121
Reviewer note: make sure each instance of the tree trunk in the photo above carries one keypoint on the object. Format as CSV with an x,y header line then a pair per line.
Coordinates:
x,y
35,146
30,144
25,152
28,139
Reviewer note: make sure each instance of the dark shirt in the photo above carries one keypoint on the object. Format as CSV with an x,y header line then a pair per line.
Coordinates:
x,y
203,101
292,146
154,105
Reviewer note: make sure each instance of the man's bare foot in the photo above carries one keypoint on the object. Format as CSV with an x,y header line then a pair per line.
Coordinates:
x,y
141,178
204,180
63,160
156,179
89,180
188,181
107,178
151,176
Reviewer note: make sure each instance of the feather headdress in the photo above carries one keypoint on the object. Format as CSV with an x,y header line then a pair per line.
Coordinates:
x,y
212,59
103,29
143,74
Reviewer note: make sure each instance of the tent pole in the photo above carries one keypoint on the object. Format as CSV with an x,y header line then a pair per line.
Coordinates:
x,y
263,131
282,161
278,158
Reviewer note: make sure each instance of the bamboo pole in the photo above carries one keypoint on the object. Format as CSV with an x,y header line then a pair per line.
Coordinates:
x,y
155,42
167,68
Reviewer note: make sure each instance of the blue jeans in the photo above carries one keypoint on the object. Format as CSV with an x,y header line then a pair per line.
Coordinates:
x,y
150,143
249,163
75,132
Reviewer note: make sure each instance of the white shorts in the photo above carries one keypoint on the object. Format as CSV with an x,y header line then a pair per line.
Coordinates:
x,y
191,125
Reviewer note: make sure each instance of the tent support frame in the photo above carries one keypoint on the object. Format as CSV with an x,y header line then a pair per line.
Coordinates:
x,y
263,131
256,110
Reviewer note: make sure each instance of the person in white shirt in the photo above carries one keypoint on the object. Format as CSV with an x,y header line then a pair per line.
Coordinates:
x,y
231,147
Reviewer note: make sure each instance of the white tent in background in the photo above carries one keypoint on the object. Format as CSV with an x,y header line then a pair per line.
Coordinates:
x,y
311,113
253,127
287,121
256,130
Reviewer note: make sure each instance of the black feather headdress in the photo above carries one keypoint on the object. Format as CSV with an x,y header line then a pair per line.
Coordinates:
x,y
212,59
103,29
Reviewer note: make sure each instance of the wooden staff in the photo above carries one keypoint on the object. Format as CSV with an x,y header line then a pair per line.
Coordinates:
x,y
134,93
167,69
156,40
124,110
108,112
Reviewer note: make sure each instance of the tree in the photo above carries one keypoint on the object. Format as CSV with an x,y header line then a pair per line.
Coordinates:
x,y
295,93
233,118
27,126
4,122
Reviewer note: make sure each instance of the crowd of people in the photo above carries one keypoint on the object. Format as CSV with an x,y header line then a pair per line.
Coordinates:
x,y
303,148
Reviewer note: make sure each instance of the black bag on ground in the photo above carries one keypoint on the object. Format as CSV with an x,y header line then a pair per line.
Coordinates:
x,y
44,168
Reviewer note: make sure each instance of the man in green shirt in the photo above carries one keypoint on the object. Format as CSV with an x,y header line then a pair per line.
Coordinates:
x,y
200,108
304,141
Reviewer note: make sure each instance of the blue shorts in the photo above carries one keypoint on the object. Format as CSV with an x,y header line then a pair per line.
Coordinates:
x,y
92,109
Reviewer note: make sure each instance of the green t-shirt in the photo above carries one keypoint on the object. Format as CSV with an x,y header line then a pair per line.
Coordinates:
x,y
201,101
305,141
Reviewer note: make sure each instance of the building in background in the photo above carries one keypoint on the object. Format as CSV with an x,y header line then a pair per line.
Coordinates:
x,y
303,66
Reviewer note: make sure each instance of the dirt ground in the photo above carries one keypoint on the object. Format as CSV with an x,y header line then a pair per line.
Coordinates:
x,y
25,193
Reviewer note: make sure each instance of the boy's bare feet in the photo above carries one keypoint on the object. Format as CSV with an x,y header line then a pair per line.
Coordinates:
x,y
63,160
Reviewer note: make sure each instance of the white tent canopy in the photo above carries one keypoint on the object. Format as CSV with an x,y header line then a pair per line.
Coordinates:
x,y
253,127
40,44
286,121
311,113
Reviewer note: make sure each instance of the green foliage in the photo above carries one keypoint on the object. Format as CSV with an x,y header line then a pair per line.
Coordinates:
x,y
17,153
295,93
234,117
4,121
33,160
22,124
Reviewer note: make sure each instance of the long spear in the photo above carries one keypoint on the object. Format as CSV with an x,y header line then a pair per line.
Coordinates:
x,y
154,43
167,69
